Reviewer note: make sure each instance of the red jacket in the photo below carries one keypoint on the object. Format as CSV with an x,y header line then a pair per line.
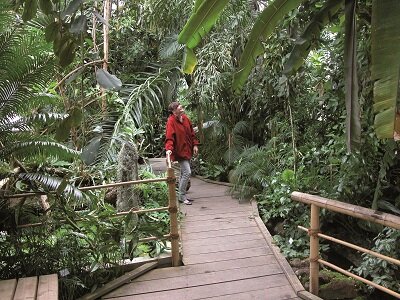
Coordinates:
x,y
180,138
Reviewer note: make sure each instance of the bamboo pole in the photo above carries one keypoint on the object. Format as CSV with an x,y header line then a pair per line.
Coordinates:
x,y
96,187
173,213
120,214
349,209
155,238
347,273
355,247
314,250
88,188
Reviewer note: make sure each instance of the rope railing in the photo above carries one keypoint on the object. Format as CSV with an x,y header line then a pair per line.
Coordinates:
x,y
359,212
172,208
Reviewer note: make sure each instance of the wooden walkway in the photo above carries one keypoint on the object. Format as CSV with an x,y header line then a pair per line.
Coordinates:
x,y
227,254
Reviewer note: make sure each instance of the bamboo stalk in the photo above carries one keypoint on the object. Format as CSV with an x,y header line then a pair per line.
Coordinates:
x,y
347,273
154,238
358,248
169,163
96,187
314,250
349,209
173,213
120,214
87,188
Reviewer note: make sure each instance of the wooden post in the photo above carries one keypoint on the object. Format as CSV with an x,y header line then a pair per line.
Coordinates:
x,y
314,250
173,214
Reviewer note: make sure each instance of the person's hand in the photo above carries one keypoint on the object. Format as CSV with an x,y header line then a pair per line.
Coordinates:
x,y
195,150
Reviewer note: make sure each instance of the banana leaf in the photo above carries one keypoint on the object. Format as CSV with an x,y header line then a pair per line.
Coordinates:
x,y
189,62
201,21
262,29
353,124
385,54
312,32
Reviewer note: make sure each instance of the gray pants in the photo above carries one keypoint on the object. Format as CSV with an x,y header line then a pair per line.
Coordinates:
x,y
186,172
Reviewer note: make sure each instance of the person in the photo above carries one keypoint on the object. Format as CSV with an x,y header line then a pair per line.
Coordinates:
x,y
181,144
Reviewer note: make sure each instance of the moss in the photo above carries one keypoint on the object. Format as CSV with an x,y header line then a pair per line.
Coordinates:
x,y
335,276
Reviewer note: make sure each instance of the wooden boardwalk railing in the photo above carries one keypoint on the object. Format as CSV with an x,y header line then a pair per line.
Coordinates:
x,y
227,254
359,212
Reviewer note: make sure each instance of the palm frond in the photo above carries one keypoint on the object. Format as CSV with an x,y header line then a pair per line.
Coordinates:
x,y
44,118
10,124
27,149
147,94
169,47
262,29
6,15
59,185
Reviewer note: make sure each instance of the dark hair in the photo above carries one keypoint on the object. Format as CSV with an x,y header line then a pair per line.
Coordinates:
x,y
173,106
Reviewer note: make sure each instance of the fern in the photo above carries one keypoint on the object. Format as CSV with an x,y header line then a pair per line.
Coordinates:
x,y
250,173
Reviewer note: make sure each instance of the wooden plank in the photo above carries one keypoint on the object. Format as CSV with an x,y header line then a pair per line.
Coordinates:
x,y
232,265
185,209
218,216
211,278
214,199
188,221
225,255
218,233
210,227
212,290
186,250
294,281
26,288
280,292
112,285
7,289
48,287
239,238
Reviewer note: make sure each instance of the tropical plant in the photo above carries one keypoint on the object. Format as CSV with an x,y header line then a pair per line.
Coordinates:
x,y
382,31
26,68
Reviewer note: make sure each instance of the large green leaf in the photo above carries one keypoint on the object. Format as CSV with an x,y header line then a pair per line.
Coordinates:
x,y
385,52
262,29
108,81
311,34
353,124
79,25
90,151
197,4
201,21
72,8
190,61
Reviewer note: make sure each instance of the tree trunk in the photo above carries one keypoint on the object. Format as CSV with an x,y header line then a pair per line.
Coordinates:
x,y
127,196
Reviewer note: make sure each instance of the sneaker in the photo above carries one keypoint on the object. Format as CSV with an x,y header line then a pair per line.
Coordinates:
x,y
187,202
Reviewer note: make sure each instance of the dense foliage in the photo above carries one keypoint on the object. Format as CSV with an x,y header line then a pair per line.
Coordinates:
x,y
65,118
